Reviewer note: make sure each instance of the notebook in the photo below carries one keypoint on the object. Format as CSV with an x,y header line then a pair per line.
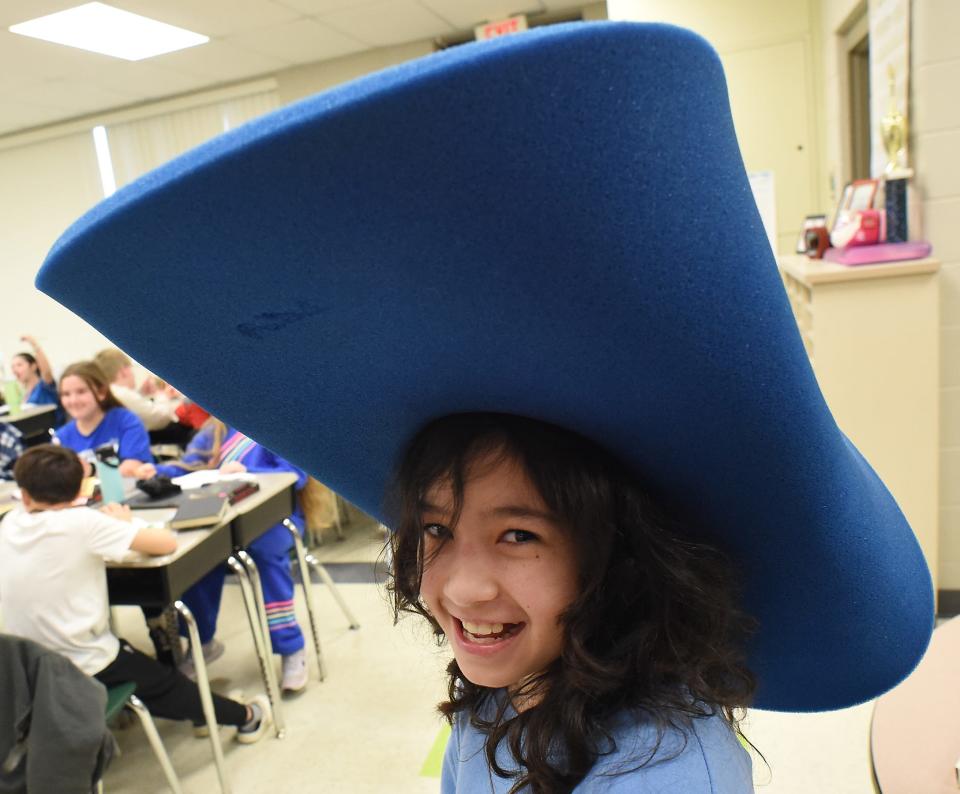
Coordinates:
x,y
195,508
198,509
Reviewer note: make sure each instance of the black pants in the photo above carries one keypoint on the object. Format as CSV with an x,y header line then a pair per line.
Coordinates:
x,y
165,691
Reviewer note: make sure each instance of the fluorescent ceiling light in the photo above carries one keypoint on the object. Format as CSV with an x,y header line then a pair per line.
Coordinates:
x,y
101,28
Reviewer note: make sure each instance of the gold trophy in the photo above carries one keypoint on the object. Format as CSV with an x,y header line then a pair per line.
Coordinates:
x,y
893,130
896,175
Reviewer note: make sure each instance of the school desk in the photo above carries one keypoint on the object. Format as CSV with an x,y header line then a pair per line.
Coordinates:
x,y
915,732
160,581
35,423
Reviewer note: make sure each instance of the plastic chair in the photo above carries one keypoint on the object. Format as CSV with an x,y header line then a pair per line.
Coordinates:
x,y
122,696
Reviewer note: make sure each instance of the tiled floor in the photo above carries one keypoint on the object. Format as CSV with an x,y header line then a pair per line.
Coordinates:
x,y
370,726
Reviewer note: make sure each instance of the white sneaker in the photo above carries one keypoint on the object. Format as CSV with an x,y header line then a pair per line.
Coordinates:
x,y
254,730
295,673
201,731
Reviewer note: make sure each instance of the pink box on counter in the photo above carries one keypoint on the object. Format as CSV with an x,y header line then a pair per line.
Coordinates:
x,y
876,254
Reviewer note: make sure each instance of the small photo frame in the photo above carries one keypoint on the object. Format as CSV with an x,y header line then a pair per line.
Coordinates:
x,y
810,222
842,213
864,191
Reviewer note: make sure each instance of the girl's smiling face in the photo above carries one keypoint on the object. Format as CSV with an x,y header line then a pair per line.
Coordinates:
x,y
499,579
78,399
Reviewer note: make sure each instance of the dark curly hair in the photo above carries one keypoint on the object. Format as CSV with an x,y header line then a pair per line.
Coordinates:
x,y
655,630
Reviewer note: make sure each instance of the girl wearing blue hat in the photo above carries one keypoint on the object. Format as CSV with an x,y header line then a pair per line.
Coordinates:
x,y
597,644
677,467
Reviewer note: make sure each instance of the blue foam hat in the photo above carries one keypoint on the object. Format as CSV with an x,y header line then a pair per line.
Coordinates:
x,y
556,224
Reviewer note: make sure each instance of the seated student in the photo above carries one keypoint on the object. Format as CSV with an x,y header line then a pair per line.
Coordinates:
x,y
11,448
159,416
97,418
35,378
217,446
54,590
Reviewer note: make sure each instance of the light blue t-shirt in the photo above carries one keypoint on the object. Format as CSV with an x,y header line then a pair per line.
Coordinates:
x,y
712,761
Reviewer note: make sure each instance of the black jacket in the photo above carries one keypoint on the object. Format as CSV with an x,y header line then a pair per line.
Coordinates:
x,y
53,732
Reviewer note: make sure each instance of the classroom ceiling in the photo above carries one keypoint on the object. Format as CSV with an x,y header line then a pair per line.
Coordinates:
x,y
42,83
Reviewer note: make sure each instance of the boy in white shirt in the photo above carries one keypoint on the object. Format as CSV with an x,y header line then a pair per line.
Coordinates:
x,y
53,588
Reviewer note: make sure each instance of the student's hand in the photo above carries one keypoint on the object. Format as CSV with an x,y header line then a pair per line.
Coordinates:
x,y
233,467
139,471
123,512
30,340
137,468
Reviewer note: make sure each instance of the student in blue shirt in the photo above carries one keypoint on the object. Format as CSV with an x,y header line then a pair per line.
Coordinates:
x,y
35,377
218,446
97,418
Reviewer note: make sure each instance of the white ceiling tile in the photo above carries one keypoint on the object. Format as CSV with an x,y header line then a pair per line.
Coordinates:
x,y
467,14
222,61
212,17
315,7
144,80
37,59
249,38
303,41
385,23
14,11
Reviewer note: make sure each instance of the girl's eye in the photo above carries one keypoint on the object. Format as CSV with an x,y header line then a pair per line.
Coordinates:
x,y
520,536
436,531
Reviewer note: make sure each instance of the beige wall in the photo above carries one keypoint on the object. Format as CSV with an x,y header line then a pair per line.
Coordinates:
x,y
302,81
934,144
771,56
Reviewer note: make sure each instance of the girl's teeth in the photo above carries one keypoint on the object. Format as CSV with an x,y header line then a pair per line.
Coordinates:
x,y
481,629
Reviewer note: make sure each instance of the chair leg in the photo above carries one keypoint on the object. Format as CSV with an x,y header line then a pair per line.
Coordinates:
x,y
307,594
273,692
136,705
305,557
206,699
260,642
322,572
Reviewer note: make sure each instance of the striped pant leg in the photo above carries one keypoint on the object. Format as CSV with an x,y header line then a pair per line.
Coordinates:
x,y
271,553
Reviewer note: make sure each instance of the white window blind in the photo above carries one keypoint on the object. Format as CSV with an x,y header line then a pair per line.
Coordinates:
x,y
44,187
141,145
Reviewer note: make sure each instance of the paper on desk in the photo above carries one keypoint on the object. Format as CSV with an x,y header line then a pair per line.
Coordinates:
x,y
154,518
197,479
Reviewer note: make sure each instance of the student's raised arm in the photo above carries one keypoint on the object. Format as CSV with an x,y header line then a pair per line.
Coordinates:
x,y
43,363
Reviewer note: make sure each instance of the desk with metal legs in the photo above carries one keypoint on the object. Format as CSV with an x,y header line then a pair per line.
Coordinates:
x,y
249,519
160,581
255,517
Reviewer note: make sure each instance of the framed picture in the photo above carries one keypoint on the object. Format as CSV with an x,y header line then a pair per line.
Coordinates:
x,y
842,213
864,191
810,222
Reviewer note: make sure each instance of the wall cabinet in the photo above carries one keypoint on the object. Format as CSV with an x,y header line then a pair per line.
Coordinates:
x,y
872,334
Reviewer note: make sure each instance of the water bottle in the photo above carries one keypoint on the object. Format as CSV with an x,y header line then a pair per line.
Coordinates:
x,y
108,472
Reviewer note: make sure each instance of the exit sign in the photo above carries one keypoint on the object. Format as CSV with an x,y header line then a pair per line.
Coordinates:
x,y
503,27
